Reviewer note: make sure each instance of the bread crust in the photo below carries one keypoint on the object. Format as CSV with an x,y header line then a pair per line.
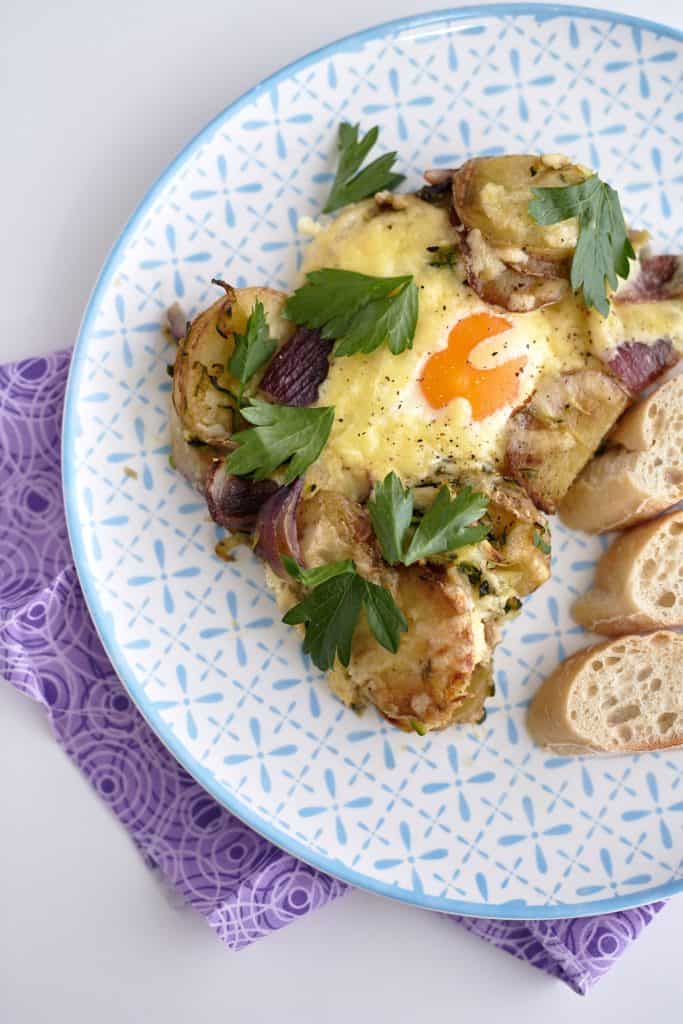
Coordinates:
x,y
641,473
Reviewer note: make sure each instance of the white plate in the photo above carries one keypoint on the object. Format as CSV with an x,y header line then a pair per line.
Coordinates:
x,y
475,819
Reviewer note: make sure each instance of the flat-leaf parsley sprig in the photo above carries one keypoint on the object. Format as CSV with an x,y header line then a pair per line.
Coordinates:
x,y
330,612
359,311
252,349
449,523
280,434
351,183
603,249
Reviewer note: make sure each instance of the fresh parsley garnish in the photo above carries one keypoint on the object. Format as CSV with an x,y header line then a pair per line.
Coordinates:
x,y
541,543
252,349
391,512
314,577
279,433
330,612
385,618
603,248
359,311
449,523
351,183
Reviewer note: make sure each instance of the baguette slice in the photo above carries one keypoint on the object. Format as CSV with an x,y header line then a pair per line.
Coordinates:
x,y
638,581
619,696
640,474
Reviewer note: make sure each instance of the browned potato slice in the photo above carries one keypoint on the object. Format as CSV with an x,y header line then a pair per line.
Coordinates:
x,y
202,385
519,559
492,194
552,438
471,709
427,680
503,284
441,673
332,528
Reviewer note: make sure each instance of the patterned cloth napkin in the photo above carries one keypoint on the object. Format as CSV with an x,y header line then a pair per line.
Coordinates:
x,y
49,649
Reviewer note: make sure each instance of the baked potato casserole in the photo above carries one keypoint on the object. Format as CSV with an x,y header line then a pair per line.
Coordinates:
x,y
391,436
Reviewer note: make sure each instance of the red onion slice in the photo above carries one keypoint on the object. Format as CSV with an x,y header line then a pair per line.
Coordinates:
x,y
636,365
656,279
234,501
276,527
296,372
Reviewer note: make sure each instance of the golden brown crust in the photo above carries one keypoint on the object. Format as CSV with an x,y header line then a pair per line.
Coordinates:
x,y
640,474
552,438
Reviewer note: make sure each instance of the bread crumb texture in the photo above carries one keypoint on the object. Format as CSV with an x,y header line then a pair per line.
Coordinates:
x,y
619,696
638,582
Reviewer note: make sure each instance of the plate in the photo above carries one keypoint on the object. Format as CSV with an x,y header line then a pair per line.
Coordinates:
x,y
473,820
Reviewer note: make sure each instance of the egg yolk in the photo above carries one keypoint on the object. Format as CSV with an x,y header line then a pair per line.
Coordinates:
x,y
448,374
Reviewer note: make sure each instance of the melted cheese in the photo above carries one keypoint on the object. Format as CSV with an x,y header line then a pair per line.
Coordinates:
x,y
382,420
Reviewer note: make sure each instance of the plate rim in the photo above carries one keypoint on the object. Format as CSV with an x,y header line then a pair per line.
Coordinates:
x,y
514,910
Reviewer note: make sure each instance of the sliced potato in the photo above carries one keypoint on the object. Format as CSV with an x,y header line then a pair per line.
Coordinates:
x,y
552,438
471,708
505,284
202,386
492,194
441,673
429,677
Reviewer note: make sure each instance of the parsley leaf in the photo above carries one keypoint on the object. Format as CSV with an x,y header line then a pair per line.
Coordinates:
x,y
280,433
330,614
391,512
448,524
351,183
385,618
603,248
361,312
314,577
331,611
252,349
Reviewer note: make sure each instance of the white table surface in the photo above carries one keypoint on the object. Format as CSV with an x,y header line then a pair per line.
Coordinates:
x,y
95,99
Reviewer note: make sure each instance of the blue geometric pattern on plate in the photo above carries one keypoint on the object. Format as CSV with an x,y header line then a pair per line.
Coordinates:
x,y
473,820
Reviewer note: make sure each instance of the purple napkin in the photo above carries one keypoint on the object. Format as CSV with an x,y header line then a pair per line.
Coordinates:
x,y
49,649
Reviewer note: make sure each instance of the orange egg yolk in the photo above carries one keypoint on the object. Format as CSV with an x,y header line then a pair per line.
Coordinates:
x,y
448,374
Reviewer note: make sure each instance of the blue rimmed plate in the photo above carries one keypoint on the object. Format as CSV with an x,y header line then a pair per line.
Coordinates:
x,y
473,820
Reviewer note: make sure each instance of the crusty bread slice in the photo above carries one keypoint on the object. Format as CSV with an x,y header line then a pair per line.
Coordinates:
x,y
638,581
640,474
625,694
